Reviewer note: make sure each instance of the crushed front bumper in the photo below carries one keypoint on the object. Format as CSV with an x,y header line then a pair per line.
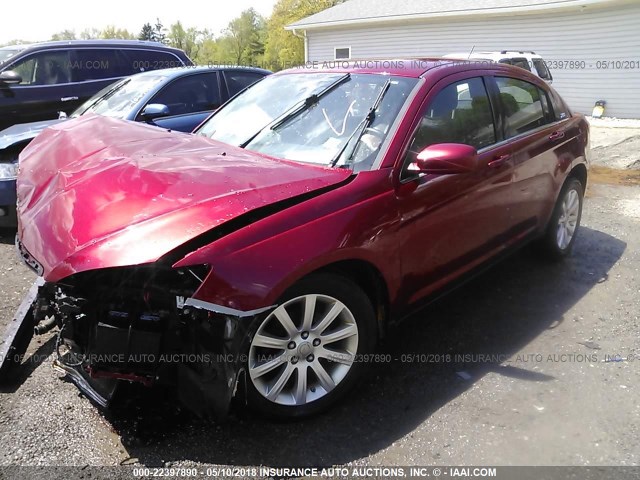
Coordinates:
x,y
140,335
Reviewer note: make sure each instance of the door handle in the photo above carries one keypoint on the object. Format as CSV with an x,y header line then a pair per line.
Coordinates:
x,y
68,99
556,136
499,161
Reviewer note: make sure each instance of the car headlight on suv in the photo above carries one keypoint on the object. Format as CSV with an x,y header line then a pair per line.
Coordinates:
x,y
8,171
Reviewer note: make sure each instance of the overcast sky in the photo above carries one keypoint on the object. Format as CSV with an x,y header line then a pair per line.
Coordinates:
x,y
39,19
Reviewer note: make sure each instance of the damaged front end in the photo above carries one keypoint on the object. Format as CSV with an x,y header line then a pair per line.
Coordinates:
x,y
109,214
135,324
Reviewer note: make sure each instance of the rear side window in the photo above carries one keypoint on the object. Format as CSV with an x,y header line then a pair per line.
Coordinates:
x,y
560,109
522,106
145,60
98,63
239,80
44,68
541,68
193,93
460,113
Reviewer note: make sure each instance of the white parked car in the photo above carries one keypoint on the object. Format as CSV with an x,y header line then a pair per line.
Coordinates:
x,y
528,60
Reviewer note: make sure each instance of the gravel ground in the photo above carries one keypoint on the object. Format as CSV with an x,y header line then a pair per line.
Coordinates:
x,y
535,388
615,143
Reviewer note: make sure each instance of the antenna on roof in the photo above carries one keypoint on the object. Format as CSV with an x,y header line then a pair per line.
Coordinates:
x,y
471,52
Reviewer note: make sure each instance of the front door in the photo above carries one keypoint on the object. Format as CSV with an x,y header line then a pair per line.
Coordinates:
x,y
450,223
45,90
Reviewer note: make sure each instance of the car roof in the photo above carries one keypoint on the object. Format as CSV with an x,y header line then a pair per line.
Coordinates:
x,y
411,67
92,43
401,67
493,55
175,72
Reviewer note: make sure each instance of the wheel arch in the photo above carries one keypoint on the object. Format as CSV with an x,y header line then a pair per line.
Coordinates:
x,y
579,172
370,279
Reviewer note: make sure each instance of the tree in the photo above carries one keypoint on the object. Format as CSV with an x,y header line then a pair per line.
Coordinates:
x,y
186,40
64,35
194,39
147,33
283,48
244,38
16,42
90,34
208,52
159,30
112,32
177,36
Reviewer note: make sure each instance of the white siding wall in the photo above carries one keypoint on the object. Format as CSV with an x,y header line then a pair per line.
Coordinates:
x,y
591,35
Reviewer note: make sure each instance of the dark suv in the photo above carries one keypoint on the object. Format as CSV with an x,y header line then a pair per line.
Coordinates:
x,y
37,81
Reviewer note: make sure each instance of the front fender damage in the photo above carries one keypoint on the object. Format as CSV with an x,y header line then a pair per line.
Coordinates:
x,y
141,325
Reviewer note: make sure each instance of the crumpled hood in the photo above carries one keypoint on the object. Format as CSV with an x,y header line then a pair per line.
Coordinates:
x,y
24,131
97,192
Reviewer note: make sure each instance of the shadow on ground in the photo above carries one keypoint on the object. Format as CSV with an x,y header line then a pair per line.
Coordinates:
x,y
498,313
44,353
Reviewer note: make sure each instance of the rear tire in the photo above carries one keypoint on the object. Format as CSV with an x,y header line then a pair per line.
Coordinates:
x,y
562,230
289,371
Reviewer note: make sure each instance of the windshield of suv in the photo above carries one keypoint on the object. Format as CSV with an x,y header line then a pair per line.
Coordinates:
x,y
118,99
331,119
7,53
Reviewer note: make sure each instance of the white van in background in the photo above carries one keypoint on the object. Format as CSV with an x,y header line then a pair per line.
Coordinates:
x,y
528,60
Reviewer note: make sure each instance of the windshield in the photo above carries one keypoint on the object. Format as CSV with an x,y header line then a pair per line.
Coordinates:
x,y
118,99
330,119
7,53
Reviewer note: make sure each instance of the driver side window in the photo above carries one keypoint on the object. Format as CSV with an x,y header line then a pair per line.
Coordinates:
x,y
190,94
44,68
460,113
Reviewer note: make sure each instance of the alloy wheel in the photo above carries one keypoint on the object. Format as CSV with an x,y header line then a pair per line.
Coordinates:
x,y
303,350
568,220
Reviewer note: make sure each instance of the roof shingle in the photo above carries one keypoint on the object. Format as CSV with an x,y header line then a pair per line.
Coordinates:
x,y
371,10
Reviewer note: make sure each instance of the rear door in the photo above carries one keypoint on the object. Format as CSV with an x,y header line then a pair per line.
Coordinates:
x,y
538,141
449,223
190,98
93,69
238,80
142,60
46,88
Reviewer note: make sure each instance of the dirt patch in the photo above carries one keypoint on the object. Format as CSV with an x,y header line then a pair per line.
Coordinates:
x,y
613,176
615,144
620,150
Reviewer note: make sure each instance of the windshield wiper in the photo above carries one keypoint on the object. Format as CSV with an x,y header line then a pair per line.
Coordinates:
x,y
308,102
362,126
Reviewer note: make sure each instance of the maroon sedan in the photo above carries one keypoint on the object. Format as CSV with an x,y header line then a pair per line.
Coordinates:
x,y
265,255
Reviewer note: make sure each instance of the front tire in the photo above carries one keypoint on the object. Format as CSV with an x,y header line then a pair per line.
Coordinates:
x,y
563,226
304,356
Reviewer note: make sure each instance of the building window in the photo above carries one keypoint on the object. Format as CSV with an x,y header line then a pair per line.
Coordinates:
x,y
342,53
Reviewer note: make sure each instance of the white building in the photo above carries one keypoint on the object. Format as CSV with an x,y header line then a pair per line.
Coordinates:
x,y
592,47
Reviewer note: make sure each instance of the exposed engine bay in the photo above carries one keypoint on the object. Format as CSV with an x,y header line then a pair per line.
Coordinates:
x,y
131,324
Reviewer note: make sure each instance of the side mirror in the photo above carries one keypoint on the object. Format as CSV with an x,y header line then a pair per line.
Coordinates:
x,y
447,159
9,77
153,111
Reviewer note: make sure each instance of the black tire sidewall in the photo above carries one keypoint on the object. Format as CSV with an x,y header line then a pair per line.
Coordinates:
x,y
363,312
